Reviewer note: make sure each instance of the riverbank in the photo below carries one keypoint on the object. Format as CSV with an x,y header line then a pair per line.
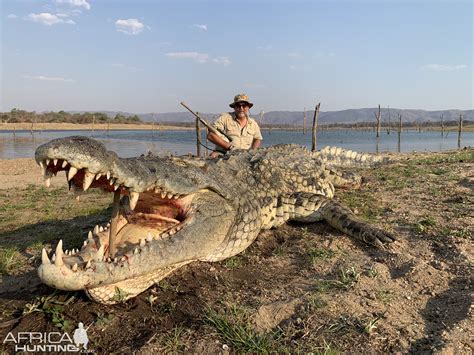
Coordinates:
x,y
27,126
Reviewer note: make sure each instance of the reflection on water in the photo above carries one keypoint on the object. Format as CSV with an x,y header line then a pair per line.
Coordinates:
x,y
22,144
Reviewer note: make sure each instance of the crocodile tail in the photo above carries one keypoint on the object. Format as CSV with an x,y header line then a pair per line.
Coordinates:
x,y
337,156
342,218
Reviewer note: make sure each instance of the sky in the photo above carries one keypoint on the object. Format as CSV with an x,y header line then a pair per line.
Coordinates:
x,y
148,56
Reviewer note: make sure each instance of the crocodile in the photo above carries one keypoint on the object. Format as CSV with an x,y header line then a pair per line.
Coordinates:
x,y
169,211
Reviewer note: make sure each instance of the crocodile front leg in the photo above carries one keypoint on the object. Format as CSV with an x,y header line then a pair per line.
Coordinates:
x,y
308,207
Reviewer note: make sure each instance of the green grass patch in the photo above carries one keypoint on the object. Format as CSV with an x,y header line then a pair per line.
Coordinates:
x,y
347,278
317,254
53,305
234,327
424,224
9,260
233,263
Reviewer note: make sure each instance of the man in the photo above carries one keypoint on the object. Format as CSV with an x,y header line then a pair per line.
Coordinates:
x,y
238,125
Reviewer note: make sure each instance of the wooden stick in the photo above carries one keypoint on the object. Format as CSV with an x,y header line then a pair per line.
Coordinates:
x,y
198,137
459,131
304,121
113,224
377,117
315,126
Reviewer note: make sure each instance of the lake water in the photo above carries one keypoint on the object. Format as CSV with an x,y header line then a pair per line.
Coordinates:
x,y
133,143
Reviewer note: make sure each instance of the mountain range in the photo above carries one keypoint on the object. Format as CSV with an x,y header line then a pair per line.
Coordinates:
x,y
325,117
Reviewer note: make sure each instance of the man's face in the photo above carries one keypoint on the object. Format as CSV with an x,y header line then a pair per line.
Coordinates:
x,y
241,109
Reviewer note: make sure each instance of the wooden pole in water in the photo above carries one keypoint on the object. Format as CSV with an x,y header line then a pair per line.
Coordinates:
x,y
113,224
389,123
377,117
93,122
442,126
198,137
399,130
459,131
315,126
304,121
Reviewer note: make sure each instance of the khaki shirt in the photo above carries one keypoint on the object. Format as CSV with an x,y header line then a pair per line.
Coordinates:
x,y
242,137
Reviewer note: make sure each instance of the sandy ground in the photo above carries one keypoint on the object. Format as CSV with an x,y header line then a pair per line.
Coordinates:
x,y
19,173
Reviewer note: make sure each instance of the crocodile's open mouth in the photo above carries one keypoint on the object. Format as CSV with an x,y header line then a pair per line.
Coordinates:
x,y
137,219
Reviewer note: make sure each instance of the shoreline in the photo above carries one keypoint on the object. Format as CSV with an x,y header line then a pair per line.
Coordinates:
x,y
44,126
57,126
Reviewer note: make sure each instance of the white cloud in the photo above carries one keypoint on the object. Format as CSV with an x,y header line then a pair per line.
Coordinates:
x,y
48,19
443,67
77,3
48,78
130,27
12,16
222,60
200,27
197,57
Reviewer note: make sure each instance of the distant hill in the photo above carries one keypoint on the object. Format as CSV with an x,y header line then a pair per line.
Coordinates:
x,y
325,117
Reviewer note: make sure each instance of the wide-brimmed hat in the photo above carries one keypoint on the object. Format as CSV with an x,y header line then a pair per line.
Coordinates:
x,y
241,98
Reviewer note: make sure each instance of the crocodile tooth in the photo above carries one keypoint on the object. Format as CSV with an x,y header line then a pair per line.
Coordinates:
x,y
66,252
59,254
133,199
43,167
115,260
96,229
108,175
111,182
108,224
88,178
64,164
71,173
88,264
53,258
47,162
55,162
171,232
47,182
163,194
44,257
149,238
109,260
142,242
101,229
116,187
100,253
74,267
89,236
135,251
97,177
169,196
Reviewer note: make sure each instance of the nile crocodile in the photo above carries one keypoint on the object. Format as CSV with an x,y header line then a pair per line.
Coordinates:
x,y
170,211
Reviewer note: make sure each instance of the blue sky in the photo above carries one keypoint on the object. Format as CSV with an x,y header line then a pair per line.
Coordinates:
x,y
147,56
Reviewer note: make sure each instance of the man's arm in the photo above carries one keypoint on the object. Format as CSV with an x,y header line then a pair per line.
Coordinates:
x,y
256,143
217,140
